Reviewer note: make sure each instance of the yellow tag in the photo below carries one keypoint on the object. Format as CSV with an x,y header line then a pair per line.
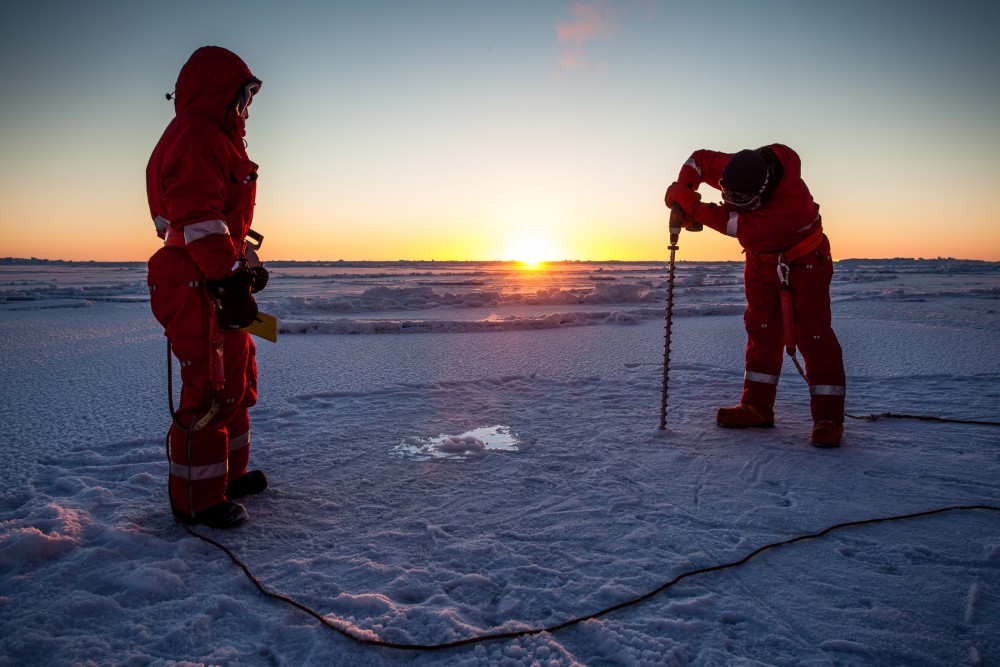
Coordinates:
x,y
264,326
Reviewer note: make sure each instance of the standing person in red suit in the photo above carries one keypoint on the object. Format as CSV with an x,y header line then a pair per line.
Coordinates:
x,y
768,208
201,187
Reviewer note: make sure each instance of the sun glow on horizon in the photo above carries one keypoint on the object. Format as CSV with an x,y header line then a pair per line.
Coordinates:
x,y
531,250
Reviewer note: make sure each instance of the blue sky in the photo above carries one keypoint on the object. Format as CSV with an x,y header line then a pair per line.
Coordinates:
x,y
473,130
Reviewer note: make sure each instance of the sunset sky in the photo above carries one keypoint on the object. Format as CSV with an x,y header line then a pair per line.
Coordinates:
x,y
498,130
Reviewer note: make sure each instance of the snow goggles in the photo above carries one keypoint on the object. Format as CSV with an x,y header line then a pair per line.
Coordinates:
x,y
737,199
245,98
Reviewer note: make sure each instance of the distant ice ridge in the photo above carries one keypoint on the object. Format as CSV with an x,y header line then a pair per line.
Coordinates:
x,y
496,322
458,297
498,298
389,298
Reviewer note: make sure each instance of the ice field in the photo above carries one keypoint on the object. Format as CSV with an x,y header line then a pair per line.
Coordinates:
x,y
459,449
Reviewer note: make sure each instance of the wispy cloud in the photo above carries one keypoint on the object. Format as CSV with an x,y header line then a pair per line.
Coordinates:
x,y
590,21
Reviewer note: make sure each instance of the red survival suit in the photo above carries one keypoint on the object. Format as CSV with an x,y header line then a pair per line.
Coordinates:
x,y
786,221
201,187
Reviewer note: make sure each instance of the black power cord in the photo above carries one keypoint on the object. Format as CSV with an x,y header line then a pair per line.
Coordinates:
x,y
894,415
496,636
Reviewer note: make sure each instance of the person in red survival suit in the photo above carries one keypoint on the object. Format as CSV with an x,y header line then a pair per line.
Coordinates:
x,y
768,208
201,187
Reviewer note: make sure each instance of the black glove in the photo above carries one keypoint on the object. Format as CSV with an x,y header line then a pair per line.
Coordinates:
x,y
235,306
260,276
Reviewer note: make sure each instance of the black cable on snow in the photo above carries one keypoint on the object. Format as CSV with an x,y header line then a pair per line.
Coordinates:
x,y
894,415
496,636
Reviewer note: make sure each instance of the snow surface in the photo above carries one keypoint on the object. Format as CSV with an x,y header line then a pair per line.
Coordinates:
x,y
500,469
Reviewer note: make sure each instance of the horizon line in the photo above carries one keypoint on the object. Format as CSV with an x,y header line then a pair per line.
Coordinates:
x,y
42,260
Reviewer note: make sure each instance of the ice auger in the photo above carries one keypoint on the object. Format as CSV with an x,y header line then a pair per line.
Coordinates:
x,y
676,224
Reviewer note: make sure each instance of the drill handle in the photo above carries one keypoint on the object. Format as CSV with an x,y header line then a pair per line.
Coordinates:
x,y
676,220
677,217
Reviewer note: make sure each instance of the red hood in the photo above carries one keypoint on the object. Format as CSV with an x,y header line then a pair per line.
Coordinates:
x,y
209,81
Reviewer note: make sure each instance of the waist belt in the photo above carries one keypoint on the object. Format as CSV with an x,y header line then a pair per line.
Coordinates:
x,y
800,249
175,239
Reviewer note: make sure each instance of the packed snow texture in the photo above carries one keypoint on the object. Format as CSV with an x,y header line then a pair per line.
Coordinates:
x,y
499,468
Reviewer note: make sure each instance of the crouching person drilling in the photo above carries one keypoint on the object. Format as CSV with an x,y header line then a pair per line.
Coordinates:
x,y
768,208
201,187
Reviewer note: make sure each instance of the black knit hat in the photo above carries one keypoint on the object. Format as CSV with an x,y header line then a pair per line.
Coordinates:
x,y
746,174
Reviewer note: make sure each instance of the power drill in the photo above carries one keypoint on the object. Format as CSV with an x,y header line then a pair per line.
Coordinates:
x,y
676,224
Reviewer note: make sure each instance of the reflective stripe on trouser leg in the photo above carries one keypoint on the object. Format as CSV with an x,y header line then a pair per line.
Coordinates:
x,y
239,444
826,402
827,405
196,473
760,377
759,389
199,467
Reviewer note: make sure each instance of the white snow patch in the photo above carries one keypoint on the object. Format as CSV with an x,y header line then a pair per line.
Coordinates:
x,y
470,444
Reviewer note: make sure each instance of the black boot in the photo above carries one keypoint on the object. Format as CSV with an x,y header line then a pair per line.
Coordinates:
x,y
226,514
253,482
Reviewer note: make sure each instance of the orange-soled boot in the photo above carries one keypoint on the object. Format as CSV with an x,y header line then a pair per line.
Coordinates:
x,y
827,434
745,416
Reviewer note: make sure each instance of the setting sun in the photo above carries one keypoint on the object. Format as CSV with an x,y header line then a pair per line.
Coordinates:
x,y
530,250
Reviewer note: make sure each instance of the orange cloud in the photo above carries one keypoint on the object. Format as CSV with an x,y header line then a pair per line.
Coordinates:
x,y
590,21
